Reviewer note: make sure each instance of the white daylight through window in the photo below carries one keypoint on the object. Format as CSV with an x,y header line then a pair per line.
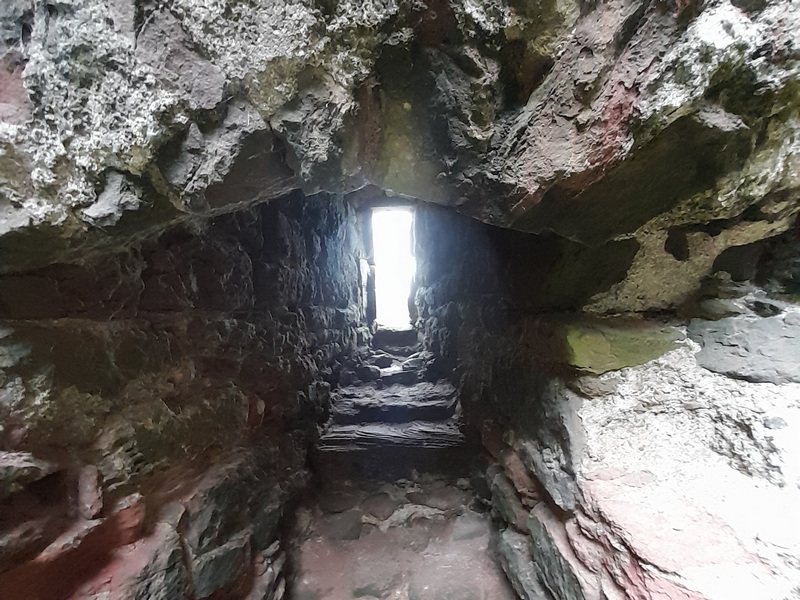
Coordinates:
x,y
394,265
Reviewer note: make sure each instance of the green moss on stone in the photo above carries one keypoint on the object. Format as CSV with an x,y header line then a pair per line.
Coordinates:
x,y
598,348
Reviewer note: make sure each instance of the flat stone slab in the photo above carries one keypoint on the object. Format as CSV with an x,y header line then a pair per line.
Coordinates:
x,y
395,404
760,349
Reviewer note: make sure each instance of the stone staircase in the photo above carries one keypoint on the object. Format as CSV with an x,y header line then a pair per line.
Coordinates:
x,y
398,508
388,415
388,405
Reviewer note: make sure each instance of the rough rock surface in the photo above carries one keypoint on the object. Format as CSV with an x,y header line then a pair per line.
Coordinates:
x,y
654,476
625,125
751,347
19,469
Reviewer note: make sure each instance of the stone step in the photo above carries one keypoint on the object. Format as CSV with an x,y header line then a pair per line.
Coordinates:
x,y
424,401
395,340
397,375
416,434
401,352
383,359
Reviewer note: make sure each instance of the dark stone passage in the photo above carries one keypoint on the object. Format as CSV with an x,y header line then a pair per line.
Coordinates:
x,y
400,508
237,427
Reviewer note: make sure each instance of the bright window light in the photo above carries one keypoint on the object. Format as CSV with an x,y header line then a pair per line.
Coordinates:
x,y
394,265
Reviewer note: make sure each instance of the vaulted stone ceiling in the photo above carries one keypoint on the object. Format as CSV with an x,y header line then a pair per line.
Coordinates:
x,y
600,122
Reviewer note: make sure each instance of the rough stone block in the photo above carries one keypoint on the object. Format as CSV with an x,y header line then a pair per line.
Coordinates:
x,y
549,466
518,475
381,505
234,495
507,504
516,560
343,526
90,492
164,577
556,564
219,567
368,372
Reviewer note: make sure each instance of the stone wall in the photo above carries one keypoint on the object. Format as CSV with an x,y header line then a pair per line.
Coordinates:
x,y
179,382
473,274
649,455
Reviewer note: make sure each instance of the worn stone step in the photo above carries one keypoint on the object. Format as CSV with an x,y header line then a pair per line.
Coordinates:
x,y
415,434
383,359
393,339
424,401
397,375
401,352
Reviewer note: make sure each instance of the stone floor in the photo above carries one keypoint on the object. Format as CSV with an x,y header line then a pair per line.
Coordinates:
x,y
424,538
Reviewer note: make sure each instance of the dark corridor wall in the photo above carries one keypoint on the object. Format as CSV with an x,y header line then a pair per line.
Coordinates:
x,y
213,345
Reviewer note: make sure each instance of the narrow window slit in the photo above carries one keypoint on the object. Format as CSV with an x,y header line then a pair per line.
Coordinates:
x,y
394,265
